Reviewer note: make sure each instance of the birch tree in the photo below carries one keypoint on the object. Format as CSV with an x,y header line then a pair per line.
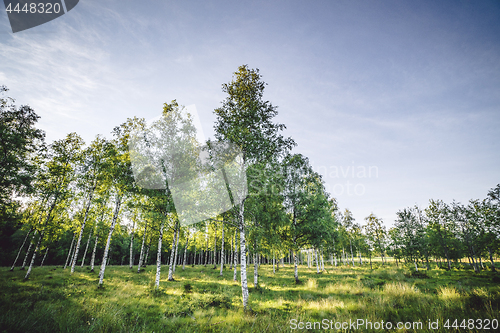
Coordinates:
x,y
376,231
54,180
245,120
95,161
307,205
438,215
120,177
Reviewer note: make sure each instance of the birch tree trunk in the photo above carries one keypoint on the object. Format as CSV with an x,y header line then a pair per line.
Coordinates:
x,y
41,236
352,256
322,261
92,260
231,259
131,262
147,254
274,271
176,245
243,265
194,258
70,252
222,252
317,262
45,256
108,242
296,270
491,259
185,252
141,256
86,248
20,249
215,247
235,257
34,256
28,251
77,248
255,271
172,253
158,257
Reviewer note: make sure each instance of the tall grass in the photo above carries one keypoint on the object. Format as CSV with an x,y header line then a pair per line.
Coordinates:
x,y
199,300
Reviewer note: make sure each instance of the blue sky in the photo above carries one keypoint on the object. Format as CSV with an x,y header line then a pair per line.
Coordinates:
x,y
407,89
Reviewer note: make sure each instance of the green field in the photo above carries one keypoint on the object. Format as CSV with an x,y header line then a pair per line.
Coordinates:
x,y
199,300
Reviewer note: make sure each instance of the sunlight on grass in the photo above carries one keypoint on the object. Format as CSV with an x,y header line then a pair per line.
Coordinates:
x,y
449,295
312,284
58,301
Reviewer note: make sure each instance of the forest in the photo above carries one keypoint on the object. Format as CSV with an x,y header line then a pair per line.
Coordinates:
x,y
116,235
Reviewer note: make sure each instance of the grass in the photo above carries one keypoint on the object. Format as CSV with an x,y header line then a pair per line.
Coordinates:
x,y
199,300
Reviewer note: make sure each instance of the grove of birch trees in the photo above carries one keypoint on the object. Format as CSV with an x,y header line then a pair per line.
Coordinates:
x,y
77,205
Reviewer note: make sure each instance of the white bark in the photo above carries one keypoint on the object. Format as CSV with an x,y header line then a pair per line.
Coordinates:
x,y
20,249
86,248
194,257
215,247
206,252
70,252
28,251
45,256
77,248
108,242
243,265
352,256
235,258
274,270
158,257
185,251
34,255
231,256
92,260
255,271
172,253
295,263
176,246
141,256
222,252
131,262
41,237
147,254
317,262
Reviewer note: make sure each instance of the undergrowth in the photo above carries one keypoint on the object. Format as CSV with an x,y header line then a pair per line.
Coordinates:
x,y
53,300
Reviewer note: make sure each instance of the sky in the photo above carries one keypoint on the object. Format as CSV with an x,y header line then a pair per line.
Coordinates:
x,y
393,102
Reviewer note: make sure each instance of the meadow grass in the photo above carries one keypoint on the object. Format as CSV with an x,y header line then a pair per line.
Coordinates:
x,y
53,300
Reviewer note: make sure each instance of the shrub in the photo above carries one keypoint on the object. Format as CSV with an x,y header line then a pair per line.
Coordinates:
x,y
188,288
